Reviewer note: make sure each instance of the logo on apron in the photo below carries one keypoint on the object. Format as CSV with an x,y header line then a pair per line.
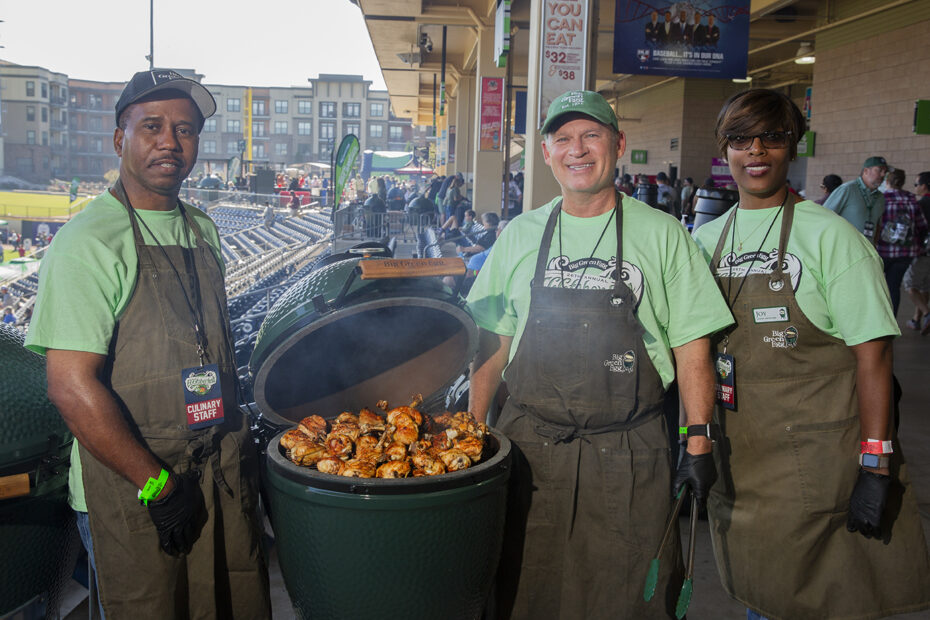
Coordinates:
x,y
786,339
760,263
594,274
621,363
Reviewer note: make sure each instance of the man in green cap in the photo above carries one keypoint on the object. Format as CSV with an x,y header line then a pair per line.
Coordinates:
x,y
586,305
859,201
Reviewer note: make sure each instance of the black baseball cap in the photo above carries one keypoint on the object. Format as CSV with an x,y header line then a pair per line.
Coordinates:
x,y
145,83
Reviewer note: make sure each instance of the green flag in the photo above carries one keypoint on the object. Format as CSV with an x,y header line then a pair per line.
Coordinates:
x,y
74,188
345,159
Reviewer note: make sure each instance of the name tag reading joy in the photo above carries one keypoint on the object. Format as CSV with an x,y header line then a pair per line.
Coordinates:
x,y
203,396
770,315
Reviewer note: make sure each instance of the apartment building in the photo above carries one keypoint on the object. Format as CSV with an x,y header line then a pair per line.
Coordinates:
x,y
56,127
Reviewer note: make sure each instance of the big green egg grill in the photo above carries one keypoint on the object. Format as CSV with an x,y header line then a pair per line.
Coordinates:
x,y
373,548
37,532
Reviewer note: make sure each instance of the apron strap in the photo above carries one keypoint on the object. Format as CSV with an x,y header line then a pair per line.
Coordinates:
x,y
119,192
544,246
787,218
723,238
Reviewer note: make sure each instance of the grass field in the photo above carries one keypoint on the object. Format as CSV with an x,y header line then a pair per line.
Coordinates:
x,y
39,205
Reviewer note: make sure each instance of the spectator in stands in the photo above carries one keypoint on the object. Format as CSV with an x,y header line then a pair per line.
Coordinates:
x,y
665,195
294,204
484,241
514,197
830,183
434,186
395,199
917,277
6,297
382,190
687,194
902,230
452,205
450,228
268,216
475,262
8,317
294,184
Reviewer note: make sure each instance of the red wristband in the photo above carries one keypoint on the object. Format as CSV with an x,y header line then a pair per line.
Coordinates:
x,y
874,446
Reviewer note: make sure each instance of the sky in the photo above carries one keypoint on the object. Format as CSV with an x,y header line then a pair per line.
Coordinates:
x,y
245,42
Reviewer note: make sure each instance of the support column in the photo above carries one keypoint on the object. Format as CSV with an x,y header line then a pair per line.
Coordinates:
x,y
487,167
464,127
539,186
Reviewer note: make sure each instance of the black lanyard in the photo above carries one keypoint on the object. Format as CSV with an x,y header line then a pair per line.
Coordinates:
x,y
195,319
732,302
593,252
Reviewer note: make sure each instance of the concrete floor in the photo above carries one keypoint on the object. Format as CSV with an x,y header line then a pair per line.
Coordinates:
x,y
709,601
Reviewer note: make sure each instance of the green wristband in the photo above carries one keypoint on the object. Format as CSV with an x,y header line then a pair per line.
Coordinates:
x,y
153,487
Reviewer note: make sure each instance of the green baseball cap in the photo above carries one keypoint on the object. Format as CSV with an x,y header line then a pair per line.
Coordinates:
x,y
877,161
585,102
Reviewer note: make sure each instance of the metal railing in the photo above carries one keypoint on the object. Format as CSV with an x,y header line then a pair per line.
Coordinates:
x,y
355,222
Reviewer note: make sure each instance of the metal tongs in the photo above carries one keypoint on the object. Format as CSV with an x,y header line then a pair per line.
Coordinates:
x,y
652,577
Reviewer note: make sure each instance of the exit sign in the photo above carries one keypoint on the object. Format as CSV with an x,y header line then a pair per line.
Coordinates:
x,y
638,157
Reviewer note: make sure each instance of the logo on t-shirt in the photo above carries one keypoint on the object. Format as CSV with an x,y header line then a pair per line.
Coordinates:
x,y
759,263
593,273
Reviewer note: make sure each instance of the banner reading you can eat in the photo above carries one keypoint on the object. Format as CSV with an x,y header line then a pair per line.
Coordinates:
x,y
701,38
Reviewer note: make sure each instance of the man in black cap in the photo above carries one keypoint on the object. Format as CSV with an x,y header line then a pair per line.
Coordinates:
x,y
131,315
859,201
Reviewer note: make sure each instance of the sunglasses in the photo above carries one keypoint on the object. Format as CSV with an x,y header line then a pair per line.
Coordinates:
x,y
769,139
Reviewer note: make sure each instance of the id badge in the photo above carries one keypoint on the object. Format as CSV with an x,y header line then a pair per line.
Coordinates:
x,y
726,386
869,230
203,396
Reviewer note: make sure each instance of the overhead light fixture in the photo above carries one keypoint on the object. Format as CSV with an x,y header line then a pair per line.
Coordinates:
x,y
410,58
805,54
745,80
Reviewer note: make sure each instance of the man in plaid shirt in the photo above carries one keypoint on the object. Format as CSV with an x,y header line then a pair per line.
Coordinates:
x,y
902,229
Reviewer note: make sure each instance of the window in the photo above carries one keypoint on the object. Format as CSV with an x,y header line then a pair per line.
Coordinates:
x,y
328,109
30,113
280,127
209,125
326,147
258,151
280,106
376,109
64,94
351,110
44,138
44,115
95,124
304,106
351,128
94,101
303,128
96,145
258,107
258,129
232,148
30,88
376,130
208,146
233,126
280,148
233,105
64,117
304,151
44,90
327,130
30,137
395,133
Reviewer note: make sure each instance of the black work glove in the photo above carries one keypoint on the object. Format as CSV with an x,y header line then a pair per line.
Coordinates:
x,y
699,472
178,516
867,504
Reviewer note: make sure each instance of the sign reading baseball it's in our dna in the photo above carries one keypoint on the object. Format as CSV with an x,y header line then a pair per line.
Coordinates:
x,y
491,114
564,64
700,38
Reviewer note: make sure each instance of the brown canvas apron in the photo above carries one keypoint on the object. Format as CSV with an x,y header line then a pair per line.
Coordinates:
x,y
225,574
788,467
590,489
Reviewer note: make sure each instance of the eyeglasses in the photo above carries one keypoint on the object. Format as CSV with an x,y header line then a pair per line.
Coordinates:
x,y
769,139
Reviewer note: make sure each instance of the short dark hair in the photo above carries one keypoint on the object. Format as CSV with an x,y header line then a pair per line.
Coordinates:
x,y
924,179
895,178
754,111
832,181
492,219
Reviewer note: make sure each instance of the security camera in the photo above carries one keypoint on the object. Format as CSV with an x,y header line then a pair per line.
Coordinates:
x,y
425,42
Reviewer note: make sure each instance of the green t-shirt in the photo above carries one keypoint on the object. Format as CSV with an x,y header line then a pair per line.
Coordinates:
x,y
677,299
836,273
87,278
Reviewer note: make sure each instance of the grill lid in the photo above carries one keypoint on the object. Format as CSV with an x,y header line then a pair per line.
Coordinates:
x,y
335,342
